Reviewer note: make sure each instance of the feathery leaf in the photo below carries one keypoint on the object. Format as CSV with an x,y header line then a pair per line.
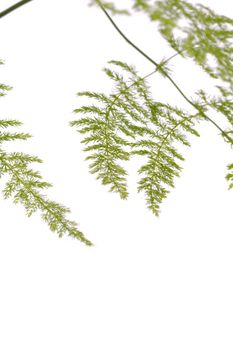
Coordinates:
x,y
26,186
129,122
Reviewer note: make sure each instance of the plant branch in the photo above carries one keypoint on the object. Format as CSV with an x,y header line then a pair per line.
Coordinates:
x,y
44,205
157,65
14,7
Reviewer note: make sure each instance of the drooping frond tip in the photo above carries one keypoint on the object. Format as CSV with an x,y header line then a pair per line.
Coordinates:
x,y
26,185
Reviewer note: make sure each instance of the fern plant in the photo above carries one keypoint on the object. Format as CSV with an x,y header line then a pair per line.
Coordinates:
x,y
130,122
26,186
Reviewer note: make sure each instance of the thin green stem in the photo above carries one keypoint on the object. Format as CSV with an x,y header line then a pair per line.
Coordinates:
x,y
13,7
200,111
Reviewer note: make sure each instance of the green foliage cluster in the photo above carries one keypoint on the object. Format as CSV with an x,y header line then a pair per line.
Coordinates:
x,y
130,122
26,186
198,32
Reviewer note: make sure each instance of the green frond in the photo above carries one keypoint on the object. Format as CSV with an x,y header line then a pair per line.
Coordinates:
x,y
197,32
129,122
163,158
109,125
108,149
26,185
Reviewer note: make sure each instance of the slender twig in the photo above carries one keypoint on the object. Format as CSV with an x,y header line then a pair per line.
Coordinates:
x,y
201,112
14,7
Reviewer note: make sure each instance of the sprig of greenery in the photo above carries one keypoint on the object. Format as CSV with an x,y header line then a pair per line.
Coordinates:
x,y
26,185
198,32
137,125
163,157
129,121
167,75
150,128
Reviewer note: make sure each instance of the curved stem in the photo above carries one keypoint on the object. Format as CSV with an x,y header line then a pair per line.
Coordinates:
x,y
13,7
125,37
200,111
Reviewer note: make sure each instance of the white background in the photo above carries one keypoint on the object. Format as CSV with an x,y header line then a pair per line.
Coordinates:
x,y
148,283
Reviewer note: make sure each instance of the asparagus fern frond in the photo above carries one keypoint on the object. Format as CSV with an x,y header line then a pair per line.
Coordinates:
x,y
138,125
26,186
198,32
